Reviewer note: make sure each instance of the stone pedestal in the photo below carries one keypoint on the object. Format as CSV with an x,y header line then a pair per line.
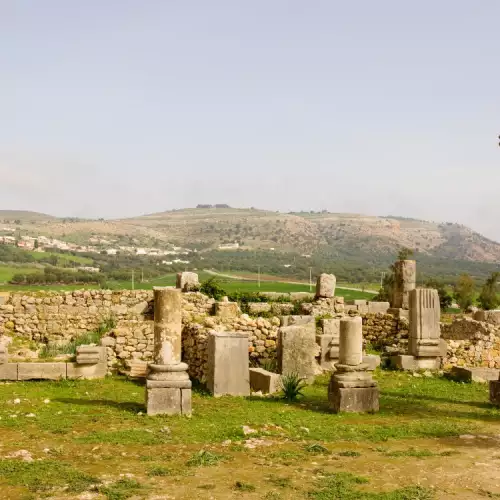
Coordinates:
x,y
325,286
495,392
168,388
4,354
352,388
328,342
187,282
405,275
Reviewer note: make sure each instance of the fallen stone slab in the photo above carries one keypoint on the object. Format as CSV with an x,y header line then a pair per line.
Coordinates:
x,y
41,371
372,360
8,371
474,374
265,381
378,307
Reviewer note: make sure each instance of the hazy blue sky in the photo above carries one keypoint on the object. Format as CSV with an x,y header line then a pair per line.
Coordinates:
x,y
119,107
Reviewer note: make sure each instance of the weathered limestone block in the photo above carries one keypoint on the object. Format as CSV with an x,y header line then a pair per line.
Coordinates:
x,y
325,285
372,360
474,374
297,351
378,307
188,282
227,309
8,371
325,359
299,296
265,381
86,371
41,371
399,313
296,320
492,317
228,368
281,308
405,275
495,392
259,307
4,298
89,355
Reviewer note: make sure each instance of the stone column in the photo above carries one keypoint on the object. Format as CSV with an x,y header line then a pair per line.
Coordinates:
x,y
352,388
495,392
405,275
425,332
188,282
168,388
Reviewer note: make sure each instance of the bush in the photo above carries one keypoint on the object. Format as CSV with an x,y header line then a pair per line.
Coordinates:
x,y
488,299
213,289
445,299
464,292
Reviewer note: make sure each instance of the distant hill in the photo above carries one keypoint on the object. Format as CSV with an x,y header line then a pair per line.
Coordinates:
x,y
340,236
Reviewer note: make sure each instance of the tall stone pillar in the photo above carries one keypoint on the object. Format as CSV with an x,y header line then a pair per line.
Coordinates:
x,y
352,388
405,276
425,332
168,388
325,286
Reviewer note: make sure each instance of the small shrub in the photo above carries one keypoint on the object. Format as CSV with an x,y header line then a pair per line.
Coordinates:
x,y
349,453
159,471
204,458
292,385
316,449
213,289
269,364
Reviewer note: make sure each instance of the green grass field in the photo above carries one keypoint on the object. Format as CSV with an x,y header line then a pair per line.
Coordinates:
x,y
92,437
6,272
62,257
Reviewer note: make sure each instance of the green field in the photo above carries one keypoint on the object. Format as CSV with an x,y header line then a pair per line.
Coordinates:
x,y
6,272
62,257
92,439
230,285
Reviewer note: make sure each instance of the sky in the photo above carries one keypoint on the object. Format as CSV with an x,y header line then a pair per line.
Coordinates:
x,y
115,108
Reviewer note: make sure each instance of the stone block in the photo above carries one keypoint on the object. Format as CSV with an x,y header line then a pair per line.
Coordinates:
x,y
188,282
495,392
492,317
265,381
297,320
275,295
8,371
86,371
4,298
256,308
297,351
474,374
41,371
228,370
186,401
300,296
331,326
164,401
378,307
372,360
325,286
403,362
280,308
423,341
356,302
353,399
399,313
227,309
89,355
350,307
405,272
328,354
138,369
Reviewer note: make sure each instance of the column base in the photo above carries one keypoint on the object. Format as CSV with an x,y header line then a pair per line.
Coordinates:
x,y
168,390
411,363
353,399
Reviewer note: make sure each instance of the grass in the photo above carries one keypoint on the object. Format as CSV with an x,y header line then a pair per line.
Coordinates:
x,y
6,272
96,430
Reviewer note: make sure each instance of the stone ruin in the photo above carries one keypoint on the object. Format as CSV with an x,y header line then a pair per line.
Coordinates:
x,y
352,388
168,387
425,348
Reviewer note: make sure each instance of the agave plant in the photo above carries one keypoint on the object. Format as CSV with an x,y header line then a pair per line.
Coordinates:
x,y
292,385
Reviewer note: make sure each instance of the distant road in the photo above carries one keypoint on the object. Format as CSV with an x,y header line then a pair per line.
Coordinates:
x,y
243,278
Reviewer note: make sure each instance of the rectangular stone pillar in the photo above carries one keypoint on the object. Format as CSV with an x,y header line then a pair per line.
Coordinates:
x,y
297,351
228,366
495,392
425,332
328,343
188,282
405,276
352,388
